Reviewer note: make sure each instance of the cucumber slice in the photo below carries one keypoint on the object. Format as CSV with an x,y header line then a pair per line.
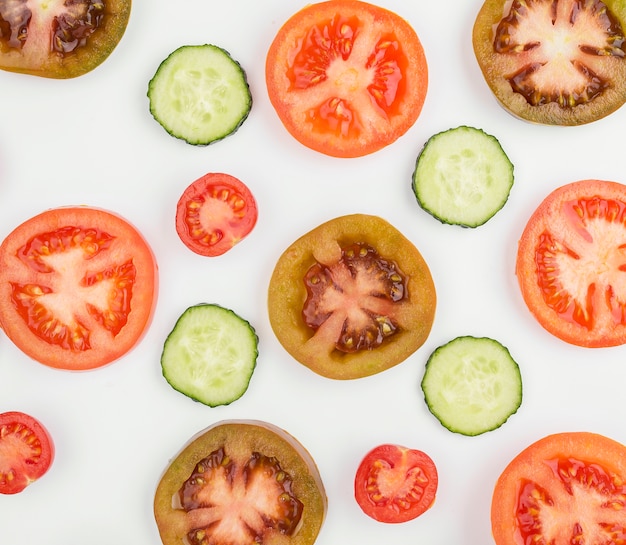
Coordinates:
x,y
210,355
462,177
200,94
472,385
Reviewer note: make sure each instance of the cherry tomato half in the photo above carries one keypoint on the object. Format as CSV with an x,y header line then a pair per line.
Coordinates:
x,y
214,213
395,484
570,263
346,77
26,451
565,488
78,287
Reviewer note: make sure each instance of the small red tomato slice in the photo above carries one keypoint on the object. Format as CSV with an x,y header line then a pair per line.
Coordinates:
x,y
395,484
346,77
214,213
571,263
60,39
78,287
26,451
566,488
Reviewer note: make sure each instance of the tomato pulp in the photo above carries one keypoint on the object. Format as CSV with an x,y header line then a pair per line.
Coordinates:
x,y
214,213
565,488
351,298
346,77
556,63
60,39
395,484
26,451
241,481
571,262
78,287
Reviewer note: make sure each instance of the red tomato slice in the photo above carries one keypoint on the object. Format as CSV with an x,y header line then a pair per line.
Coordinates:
x,y
78,287
346,78
26,451
566,488
214,213
571,262
395,484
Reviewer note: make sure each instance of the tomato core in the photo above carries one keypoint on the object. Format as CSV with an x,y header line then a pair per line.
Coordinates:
x,y
594,219
541,33
362,285
266,500
114,283
588,487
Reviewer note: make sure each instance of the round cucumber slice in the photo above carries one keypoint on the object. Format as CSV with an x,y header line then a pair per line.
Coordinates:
x,y
472,385
462,176
210,355
200,94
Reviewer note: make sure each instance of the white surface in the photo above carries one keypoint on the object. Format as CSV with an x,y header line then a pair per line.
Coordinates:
x,y
92,141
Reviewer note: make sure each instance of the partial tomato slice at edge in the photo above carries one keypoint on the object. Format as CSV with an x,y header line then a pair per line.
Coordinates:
x,y
26,451
214,213
557,68
571,263
346,77
78,287
228,454
575,480
395,484
61,39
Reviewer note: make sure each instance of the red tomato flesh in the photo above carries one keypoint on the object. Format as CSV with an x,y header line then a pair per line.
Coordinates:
x,y
26,451
78,287
214,213
395,484
565,489
346,77
571,262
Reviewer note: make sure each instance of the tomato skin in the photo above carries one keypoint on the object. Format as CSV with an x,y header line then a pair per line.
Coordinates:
x,y
395,484
214,213
240,440
497,67
569,480
570,264
78,287
34,55
316,349
26,451
339,103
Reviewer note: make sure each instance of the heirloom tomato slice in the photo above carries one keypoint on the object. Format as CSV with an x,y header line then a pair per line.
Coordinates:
x,y
214,213
566,488
556,62
395,484
351,298
571,263
346,77
58,39
78,287
241,482
26,451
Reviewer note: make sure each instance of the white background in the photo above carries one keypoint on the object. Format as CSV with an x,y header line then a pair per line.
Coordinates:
x,y
92,141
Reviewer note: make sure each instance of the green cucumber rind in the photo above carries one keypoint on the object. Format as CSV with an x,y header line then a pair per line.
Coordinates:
x,y
178,373
158,101
426,179
437,378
